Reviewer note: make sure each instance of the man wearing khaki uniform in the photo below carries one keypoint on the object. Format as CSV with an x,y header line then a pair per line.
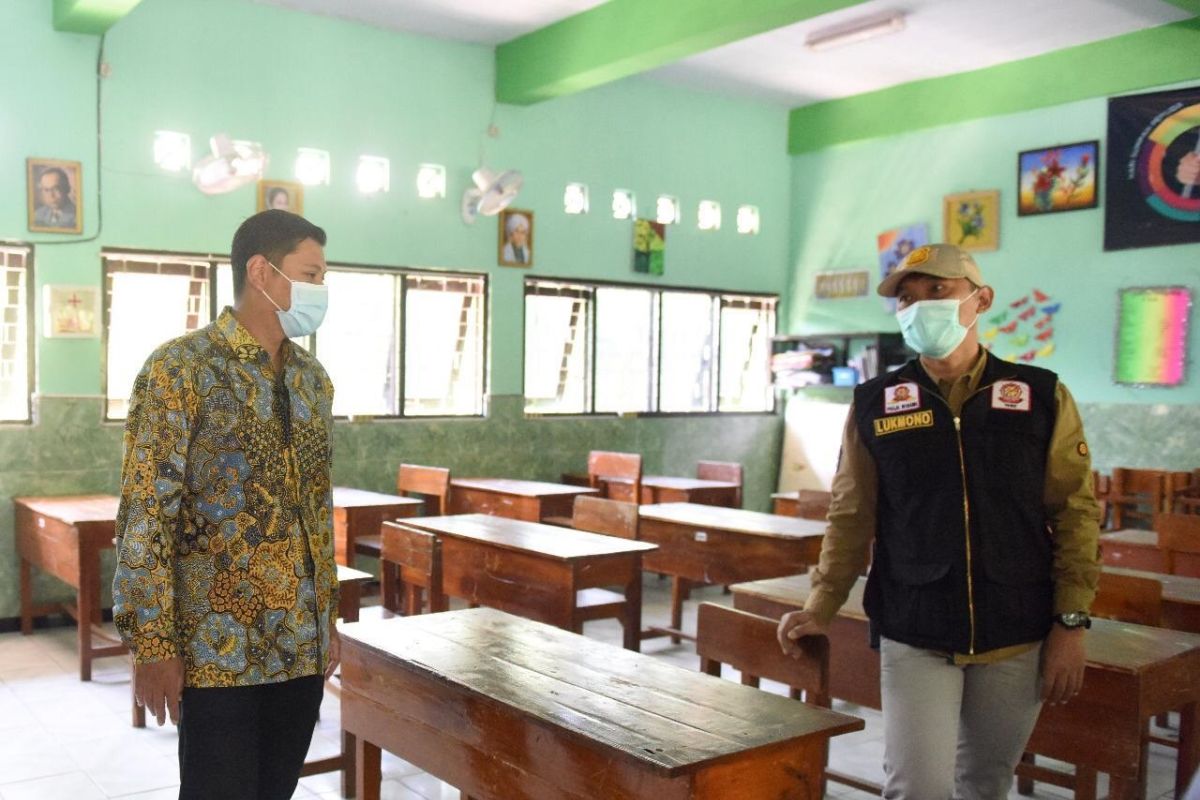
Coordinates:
x,y
969,480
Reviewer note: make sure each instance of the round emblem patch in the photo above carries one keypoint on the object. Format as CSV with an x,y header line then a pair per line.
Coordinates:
x,y
1082,448
918,256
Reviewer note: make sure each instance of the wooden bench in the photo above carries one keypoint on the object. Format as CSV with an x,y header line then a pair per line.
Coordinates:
x,y
532,501
357,515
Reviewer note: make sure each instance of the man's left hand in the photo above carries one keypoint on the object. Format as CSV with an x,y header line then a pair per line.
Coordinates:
x,y
335,652
1063,663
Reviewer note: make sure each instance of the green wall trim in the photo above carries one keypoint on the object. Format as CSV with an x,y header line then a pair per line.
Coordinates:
x,y
1151,57
90,16
626,37
1190,6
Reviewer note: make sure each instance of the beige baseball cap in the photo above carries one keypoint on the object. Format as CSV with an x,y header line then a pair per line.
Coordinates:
x,y
940,260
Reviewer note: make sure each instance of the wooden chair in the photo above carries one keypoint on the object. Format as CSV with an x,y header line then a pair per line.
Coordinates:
x,y
728,471
1101,489
627,467
611,518
1179,540
1135,496
747,643
813,504
413,565
1183,492
431,483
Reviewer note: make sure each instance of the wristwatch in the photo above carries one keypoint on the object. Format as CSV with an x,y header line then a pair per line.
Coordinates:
x,y
1074,619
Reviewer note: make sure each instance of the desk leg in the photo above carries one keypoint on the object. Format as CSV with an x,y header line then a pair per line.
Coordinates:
x,y
349,764
633,611
350,597
367,762
1189,747
26,572
87,600
679,593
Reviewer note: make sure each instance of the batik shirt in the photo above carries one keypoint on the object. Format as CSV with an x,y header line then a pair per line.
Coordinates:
x,y
225,532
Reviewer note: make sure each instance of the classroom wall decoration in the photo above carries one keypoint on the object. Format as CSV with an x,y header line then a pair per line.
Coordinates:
x,y
971,220
1153,164
54,195
649,246
1060,178
839,285
71,312
1152,329
1022,330
893,245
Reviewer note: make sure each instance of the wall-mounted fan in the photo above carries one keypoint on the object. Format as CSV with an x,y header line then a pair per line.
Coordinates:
x,y
491,194
232,164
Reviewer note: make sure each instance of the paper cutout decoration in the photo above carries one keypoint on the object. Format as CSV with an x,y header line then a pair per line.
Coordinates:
x,y
1152,326
1029,333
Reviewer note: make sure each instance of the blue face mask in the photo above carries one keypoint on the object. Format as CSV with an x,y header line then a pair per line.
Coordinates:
x,y
307,312
931,327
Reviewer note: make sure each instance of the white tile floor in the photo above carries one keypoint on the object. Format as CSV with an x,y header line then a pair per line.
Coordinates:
x,y
61,739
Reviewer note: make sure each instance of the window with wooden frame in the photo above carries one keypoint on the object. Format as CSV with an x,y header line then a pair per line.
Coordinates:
x,y
611,348
16,333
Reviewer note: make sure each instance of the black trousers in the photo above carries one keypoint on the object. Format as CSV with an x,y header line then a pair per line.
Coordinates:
x,y
246,742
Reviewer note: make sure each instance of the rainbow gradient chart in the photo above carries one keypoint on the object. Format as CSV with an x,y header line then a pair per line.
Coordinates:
x,y
1152,330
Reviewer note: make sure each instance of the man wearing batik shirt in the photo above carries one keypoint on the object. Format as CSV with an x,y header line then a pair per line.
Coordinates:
x,y
226,588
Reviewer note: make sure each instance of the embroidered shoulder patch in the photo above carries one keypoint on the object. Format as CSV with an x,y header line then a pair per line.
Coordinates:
x,y
905,422
1082,449
901,397
1011,396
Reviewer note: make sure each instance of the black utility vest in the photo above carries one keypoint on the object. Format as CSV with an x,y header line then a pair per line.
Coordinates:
x,y
963,557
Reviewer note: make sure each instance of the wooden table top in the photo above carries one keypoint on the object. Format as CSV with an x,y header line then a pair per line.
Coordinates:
x,y
1134,536
345,497
74,509
519,487
667,718
1176,588
1110,644
513,534
792,495
733,519
680,484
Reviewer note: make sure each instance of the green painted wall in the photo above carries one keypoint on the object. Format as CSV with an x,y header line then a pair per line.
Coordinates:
x,y
843,196
290,80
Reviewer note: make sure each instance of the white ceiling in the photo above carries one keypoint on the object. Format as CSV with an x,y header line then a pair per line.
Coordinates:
x,y
941,37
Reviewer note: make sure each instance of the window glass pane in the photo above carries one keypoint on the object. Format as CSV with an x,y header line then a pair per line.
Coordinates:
x,y
746,330
687,352
15,334
443,351
149,304
626,349
224,287
556,344
357,342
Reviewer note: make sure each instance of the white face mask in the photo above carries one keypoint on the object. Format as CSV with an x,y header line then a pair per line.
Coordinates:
x,y
931,327
307,312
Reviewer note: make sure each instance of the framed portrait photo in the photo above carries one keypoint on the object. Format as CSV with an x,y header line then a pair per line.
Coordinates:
x,y
1059,178
55,192
516,238
284,195
971,220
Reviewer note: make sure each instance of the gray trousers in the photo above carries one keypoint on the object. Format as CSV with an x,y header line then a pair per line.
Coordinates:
x,y
955,731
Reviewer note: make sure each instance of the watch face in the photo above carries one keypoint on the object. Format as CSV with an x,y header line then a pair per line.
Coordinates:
x,y
1074,619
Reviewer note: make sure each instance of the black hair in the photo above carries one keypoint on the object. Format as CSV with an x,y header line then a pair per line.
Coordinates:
x,y
275,192
273,234
62,175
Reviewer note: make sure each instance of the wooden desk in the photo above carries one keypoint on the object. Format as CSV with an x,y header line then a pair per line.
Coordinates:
x,y
786,504
1133,674
535,570
64,537
357,512
532,501
502,708
1181,598
666,489
1133,549
707,544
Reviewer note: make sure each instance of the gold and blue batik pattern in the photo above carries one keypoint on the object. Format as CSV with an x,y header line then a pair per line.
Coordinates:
x,y
225,528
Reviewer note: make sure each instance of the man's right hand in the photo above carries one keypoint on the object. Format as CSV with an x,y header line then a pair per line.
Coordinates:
x,y
795,625
158,687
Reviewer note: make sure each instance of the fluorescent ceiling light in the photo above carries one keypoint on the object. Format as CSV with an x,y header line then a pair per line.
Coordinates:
x,y
709,216
312,166
667,210
374,174
575,198
624,204
431,181
747,220
173,151
855,30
